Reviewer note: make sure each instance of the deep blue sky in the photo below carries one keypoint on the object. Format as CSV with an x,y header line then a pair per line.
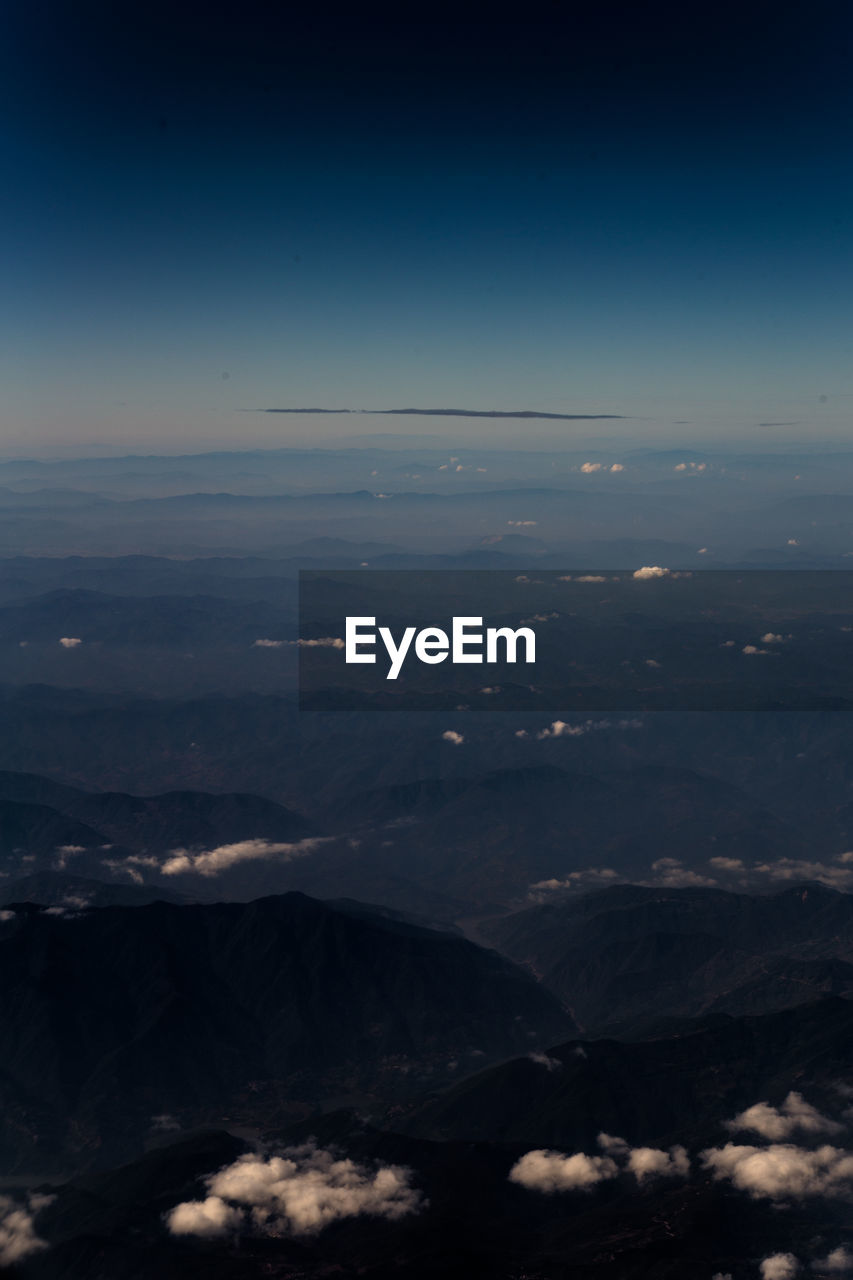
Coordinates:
x,y
638,209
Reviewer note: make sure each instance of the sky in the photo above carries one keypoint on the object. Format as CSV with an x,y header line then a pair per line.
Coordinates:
x,y
633,209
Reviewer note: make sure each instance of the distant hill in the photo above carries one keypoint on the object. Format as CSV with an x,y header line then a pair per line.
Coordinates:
x,y
675,1088
623,958
258,1012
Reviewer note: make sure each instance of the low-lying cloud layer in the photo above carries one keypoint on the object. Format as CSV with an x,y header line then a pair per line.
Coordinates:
x,y
212,862
297,1193
782,1171
551,1171
778,1123
18,1238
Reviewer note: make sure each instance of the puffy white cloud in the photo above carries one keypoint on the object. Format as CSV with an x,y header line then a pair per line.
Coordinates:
x,y
727,864
211,862
267,644
573,880
450,735
66,851
774,637
671,873
297,1193
838,875
752,649
324,642
561,729
550,1064
209,1217
778,1123
836,1263
70,642
783,1171
617,466
18,1238
651,571
550,1171
588,577
648,1162
779,1266
588,468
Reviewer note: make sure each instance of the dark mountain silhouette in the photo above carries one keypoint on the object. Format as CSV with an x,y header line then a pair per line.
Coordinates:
x,y
627,956
674,1088
113,1016
58,889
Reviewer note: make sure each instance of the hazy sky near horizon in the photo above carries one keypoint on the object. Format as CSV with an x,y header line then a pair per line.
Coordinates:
x,y
212,210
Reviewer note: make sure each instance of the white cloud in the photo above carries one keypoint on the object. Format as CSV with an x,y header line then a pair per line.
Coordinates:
x,y
838,875
550,1064
18,1239
838,1262
651,571
772,637
703,551
522,524
6,916
70,642
324,642
647,1162
779,1266
793,542
209,1217
588,468
450,735
587,577
211,862
549,1171
727,864
560,729
617,466
572,880
778,1123
673,875
753,649
782,1171
297,1193
267,644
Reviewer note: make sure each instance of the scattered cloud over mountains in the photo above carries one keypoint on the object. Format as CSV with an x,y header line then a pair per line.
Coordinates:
x,y
18,1236
551,1171
297,1193
212,862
